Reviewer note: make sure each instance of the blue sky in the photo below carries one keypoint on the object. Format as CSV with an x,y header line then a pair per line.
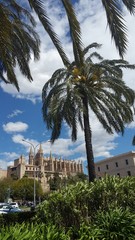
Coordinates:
x,y
21,113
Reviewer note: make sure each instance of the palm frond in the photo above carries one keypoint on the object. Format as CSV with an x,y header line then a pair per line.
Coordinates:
x,y
18,40
39,9
90,46
130,5
75,32
116,24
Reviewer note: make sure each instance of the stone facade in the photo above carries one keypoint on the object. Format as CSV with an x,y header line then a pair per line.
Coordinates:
x,y
3,173
44,167
121,165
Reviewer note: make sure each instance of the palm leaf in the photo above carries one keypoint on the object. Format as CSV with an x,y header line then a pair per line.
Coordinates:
x,y
75,32
90,46
130,4
116,24
39,9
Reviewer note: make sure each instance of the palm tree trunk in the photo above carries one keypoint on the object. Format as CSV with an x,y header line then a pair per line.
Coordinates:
x,y
88,143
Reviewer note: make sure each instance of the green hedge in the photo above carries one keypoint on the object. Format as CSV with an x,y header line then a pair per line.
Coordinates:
x,y
81,202
13,218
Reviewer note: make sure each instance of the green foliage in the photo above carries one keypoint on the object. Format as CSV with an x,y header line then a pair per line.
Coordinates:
x,y
81,202
74,179
13,218
6,184
114,224
33,232
23,189
19,189
101,210
55,182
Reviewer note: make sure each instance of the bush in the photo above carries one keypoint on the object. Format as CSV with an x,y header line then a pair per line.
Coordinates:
x,y
115,224
13,218
81,202
32,232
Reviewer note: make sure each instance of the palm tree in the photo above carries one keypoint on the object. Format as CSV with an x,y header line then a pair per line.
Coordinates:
x,y
17,41
71,92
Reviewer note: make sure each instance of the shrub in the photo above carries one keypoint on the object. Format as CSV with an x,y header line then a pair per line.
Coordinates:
x,y
116,224
33,232
81,202
13,218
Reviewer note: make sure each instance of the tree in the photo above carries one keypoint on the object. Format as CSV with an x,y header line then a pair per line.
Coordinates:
x,y
71,92
23,189
17,41
6,188
55,182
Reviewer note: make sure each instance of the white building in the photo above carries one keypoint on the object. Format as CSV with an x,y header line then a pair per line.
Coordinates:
x,y
121,165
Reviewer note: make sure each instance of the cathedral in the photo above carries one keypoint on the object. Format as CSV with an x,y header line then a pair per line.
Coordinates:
x,y
43,168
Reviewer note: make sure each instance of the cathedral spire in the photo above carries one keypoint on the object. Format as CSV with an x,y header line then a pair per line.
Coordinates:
x,y
40,149
31,152
31,156
50,155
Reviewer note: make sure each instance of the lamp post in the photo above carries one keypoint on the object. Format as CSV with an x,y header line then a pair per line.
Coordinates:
x,y
34,150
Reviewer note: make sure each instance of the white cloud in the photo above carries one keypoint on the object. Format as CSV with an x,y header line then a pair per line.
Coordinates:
x,y
17,138
7,159
9,155
15,127
15,113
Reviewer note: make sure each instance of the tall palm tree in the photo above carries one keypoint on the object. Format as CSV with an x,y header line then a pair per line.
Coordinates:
x,y
71,92
17,41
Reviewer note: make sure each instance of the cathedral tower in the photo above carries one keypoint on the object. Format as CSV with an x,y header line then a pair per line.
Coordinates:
x,y
39,156
31,157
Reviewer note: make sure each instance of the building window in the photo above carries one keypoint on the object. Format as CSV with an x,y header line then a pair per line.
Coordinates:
x,y
116,164
126,161
99,169
118,174
128,173
107,167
